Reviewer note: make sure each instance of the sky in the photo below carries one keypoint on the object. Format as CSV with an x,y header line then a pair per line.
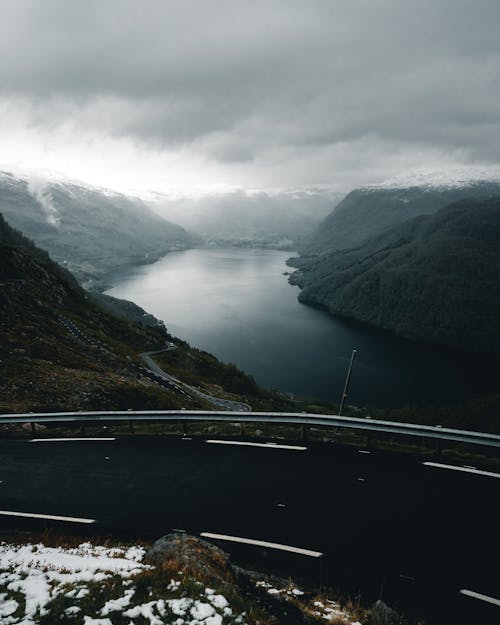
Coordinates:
x,y
191,97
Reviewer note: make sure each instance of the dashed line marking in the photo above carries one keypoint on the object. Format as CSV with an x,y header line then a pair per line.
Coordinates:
x,y
263,543
50,517
481,597
453,467
266,445
69,440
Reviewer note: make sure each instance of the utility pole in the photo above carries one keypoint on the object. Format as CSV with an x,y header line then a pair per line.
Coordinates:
x,y
347,382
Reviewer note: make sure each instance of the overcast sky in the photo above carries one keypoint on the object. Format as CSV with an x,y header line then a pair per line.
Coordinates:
x,y
185,95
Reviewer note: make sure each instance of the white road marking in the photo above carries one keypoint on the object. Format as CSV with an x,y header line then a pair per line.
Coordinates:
x,y
478,595
267,445
453,467
263,543
364,451
50,517
66,440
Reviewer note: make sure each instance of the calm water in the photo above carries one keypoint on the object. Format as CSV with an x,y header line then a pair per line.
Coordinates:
x,y
238,305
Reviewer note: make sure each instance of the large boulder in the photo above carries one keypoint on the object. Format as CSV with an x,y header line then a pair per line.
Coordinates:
x,y
191,555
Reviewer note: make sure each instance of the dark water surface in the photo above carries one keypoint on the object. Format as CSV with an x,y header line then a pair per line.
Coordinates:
x,y
238,305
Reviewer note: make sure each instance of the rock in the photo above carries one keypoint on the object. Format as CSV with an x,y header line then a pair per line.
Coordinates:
x,y
382,614
38,427
192,555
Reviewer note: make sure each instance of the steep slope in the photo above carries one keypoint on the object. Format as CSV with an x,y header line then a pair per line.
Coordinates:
x,y
62,348
58,349
369,211
90,231
435,278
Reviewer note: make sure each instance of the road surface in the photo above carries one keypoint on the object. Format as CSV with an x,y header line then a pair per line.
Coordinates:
x,y
387,525
218,402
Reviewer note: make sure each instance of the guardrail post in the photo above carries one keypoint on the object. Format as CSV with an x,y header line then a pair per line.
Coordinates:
x,y
33,428
82,429
242,428
131,427
303,433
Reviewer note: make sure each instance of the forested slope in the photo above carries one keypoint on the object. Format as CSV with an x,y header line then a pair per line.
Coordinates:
x,y
434,278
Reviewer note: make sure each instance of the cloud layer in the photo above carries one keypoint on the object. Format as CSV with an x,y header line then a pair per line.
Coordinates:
x,y
275,93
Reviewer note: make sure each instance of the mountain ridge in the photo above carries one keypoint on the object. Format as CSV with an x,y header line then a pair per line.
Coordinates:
x,y
434,278
369,211
90,231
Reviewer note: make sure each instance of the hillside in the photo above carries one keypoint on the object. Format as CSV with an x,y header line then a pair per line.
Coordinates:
x,y
62,348
90,231
45,364
434,278
366,212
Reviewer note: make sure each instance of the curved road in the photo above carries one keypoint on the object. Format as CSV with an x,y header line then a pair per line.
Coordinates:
x,y
391,526
225,404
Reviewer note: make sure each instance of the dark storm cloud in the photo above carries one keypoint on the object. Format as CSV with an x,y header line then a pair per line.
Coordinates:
x,y
239,79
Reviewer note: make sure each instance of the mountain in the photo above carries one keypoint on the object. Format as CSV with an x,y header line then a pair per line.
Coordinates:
x,y
276,220
58,349
435,278
369,211
90,231
64,348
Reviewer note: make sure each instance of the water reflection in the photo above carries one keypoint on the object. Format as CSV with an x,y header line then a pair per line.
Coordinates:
x,y
238,305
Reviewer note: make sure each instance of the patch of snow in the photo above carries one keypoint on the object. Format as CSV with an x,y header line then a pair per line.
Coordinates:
x,y
219,601
179,606
174,585
74,609
118,604
40,572
7,607
447,179
201,611
146,610
88,620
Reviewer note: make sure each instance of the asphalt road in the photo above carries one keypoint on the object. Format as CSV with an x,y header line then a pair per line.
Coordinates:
x,y
225,404
387,525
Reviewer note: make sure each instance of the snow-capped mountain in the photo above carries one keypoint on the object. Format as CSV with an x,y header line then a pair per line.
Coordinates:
x,y
461,177
371,210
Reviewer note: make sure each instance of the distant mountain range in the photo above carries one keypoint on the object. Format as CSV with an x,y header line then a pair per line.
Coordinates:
x,y
369,211
435,277
244,218
90,231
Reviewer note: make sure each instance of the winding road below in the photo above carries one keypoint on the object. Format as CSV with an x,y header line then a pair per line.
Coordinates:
x,y
218,402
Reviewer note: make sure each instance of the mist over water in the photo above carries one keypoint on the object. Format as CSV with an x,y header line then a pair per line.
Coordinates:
x,y
237,304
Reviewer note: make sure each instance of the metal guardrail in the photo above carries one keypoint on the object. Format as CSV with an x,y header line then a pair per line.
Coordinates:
x,y
281,418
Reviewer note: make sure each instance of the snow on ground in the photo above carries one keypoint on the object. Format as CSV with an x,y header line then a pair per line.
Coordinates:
x,y
327,609
38,581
